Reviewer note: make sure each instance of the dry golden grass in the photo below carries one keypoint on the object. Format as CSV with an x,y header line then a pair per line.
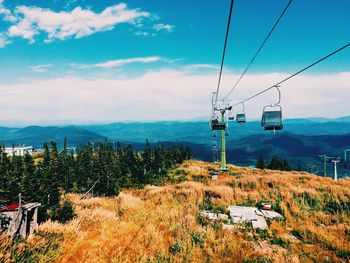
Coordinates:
x,y
160,224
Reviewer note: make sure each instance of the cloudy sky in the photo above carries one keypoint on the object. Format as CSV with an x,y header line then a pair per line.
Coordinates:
x,y
85,61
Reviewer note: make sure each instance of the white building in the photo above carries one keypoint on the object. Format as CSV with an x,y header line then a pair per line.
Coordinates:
x,y
19,151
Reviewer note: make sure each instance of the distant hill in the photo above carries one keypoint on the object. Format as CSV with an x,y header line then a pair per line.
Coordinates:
x,y
36,135
301,140
198,131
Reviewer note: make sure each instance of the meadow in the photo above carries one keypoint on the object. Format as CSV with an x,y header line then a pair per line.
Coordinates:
x,y
162,223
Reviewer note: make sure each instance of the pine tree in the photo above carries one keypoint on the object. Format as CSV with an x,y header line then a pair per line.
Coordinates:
x,y
30,182
261,163
275,163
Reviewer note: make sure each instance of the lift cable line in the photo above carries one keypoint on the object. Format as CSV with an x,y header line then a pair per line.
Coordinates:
x,y
295,74
260,48
224,51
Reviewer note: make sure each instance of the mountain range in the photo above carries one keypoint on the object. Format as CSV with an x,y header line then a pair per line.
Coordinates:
x,y
300,142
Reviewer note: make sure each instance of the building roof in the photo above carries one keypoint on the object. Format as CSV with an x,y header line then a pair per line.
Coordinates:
x,y
14,207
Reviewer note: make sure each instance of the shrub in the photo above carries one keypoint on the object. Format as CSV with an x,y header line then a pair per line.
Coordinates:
x,y
201,179
64,212
180,171
263,233
174,249
258,260
279,241
231,184
198,239
335,207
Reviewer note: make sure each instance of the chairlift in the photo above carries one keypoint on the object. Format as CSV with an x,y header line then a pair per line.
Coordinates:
x,y
217,125
272,116
240,116
231,116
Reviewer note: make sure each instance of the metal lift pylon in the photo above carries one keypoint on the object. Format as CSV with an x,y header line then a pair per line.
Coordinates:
x,y
223,166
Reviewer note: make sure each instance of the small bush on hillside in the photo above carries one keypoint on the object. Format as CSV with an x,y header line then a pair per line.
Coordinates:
x,y
337,207
180,171
309,201
198,239
280,242
207,204
231,184
201,179
263,233
258,260
160,258
174,249
247,186
177,180
64,212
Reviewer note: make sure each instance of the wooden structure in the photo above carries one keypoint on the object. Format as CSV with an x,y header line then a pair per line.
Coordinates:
x,y
19,220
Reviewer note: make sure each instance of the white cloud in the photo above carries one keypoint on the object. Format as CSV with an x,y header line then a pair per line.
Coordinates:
x,y
121,62
6,13
168,94
162,26
4,40
141,33
202,66
40,68
78,23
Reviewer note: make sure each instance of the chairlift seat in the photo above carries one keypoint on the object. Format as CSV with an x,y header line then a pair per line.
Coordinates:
x,y
272,120
217,126
240,118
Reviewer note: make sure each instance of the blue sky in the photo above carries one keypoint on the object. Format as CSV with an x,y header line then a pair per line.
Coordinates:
x,y
84,42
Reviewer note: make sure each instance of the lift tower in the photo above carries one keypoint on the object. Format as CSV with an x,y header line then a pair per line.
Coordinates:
x,y
223,166
335,169
218,122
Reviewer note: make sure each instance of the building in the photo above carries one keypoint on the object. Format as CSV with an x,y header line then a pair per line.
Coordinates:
x,y
19,151
19,220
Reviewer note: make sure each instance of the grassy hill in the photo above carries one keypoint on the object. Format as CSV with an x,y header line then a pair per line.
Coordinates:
x,y
162,223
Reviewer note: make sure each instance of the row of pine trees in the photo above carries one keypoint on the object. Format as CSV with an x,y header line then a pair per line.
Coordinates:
x,y
274,164
100,170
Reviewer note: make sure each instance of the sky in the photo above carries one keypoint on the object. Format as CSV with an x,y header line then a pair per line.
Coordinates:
x,y
85,61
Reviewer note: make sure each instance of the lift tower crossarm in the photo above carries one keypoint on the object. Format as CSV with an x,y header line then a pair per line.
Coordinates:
x,y
325,158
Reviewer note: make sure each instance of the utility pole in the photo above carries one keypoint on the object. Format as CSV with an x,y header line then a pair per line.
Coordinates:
x,y
325,158
345,154
335,169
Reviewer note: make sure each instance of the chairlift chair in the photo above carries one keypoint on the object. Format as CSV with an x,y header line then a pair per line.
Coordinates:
x,y
231,116
240,116
217,125
271,119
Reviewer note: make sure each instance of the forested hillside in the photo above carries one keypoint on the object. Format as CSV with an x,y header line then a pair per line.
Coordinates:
x,y
99,170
